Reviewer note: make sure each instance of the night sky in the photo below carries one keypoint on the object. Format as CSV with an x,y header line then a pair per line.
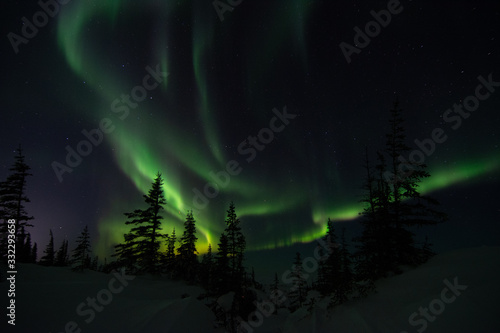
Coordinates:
x,y
182,92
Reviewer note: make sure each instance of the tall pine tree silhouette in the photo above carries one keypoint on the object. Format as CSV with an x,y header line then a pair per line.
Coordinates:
x,y
236,245
142,243
222,274
207,269
407,206
329,269
188,260
12,203
393,205
170,258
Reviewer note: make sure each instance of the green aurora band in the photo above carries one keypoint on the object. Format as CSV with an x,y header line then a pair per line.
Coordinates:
x,y
186,161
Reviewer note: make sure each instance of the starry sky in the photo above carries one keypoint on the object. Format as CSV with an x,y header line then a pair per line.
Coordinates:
x,y
263,90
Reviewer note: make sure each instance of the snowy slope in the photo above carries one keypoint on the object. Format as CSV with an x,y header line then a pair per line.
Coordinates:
x,y
475,309
48,298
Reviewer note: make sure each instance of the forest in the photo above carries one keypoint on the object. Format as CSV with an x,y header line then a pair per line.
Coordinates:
x,y
343,270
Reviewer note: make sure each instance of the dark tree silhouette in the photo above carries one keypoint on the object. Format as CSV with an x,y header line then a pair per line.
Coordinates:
x,y
170,256
187,259
298,291
408,207
80,258
48,258
61,258
207,268
235,249
393,205
142,244
329,269
346,275
222,266
12,200
276,293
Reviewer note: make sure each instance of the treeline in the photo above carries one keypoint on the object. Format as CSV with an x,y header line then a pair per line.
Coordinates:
x,y
141,250
218,273
13,199
393,207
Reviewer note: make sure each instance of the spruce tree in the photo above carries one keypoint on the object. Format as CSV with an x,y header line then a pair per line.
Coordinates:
x,y
408,207
375,249
346,275
80,258
222,274
170,256
394,205
48,258
236,244
298,292
207,270
187,259
329,269
141,248
276,293
12,202
61,258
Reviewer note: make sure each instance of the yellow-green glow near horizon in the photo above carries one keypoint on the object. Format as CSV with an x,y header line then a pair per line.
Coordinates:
x,y
154,139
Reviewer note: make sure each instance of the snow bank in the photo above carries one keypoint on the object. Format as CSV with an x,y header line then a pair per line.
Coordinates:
x,y
422,299
47,299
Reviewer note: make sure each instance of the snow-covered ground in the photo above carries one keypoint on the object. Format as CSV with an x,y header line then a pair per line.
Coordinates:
x,y
460,289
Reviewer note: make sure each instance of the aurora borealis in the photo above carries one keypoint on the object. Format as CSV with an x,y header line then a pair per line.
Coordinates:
x,y
227,80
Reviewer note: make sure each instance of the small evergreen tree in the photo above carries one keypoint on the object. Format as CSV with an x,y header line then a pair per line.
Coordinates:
x,y
207,270
80,258
170,257
328,270
275,293
48,258
34,253
298,292
346,275
222,276
187,259
236,244
95,263
61,258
